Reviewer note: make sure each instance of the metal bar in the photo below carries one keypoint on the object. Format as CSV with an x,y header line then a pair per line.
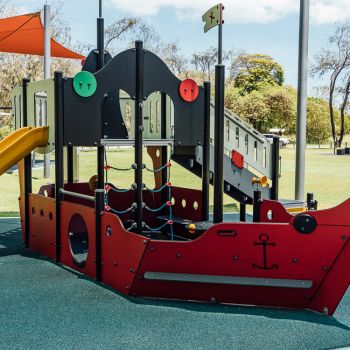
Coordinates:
x,y
47,72
275,168
27,167
219,143
138,134
70,172
302,100
100,8
99,206
256,206
76,195
131,142
242,212
100,166
59,176
100,43
206,153
230,280
220,45
163,116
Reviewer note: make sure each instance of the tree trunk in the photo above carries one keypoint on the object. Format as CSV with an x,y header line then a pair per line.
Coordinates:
x,y
331,112
342,111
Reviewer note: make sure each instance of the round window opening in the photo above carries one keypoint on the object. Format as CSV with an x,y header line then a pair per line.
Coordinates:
x,y
78,240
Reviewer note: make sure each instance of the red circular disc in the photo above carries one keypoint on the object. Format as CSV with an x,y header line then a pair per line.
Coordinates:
x,y
189,90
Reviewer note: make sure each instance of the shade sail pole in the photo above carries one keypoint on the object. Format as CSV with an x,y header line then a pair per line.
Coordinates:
x,y
47,73
302,100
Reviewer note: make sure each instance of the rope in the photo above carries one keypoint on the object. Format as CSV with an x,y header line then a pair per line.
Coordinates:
x,y
169,222
167,165
119,212
154,210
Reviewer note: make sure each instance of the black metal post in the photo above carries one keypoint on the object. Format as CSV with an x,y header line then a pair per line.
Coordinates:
x,y
100,43
275,168
256,205
242,212
59,176
311,202
70,172
138,135
100,166
163,114
219,142
27,167
99,206
206,153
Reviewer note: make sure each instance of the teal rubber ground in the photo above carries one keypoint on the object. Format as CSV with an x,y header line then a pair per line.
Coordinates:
x,y
45,306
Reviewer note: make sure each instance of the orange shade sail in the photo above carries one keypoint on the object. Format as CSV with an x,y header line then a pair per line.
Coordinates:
x,y
25,34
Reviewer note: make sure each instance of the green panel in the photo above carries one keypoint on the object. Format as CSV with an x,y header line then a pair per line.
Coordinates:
x,y
84,84
41,109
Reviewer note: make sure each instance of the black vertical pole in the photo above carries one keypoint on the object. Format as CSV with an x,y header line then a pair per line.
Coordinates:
x,y
219,142
100,64
70,172
100,43
206,153
138,134
100,167
99,206
163,116
27,167
256,205
59,177
242,211
275,168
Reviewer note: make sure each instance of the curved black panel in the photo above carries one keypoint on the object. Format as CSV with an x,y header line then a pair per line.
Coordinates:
x,y
90,63
88,120
188,117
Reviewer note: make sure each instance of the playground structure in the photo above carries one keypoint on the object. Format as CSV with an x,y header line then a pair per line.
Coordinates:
x,y
161,242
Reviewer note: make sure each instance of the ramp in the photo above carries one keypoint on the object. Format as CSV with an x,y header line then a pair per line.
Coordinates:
x,y
243,141
19,144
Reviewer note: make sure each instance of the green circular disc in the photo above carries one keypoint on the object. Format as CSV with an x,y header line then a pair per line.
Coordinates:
x,y
84,84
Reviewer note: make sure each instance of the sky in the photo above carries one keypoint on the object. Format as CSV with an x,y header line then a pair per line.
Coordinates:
x,y
256,26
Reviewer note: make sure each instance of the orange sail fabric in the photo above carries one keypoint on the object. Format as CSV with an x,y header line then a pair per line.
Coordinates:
x,y
25,34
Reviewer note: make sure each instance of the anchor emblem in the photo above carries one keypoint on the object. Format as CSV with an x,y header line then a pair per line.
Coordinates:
x,y
264,242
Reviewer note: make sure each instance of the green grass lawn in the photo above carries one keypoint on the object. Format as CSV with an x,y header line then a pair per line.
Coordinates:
x,y
326,175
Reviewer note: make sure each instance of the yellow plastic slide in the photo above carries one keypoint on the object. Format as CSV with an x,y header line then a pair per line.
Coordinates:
x,y
20,143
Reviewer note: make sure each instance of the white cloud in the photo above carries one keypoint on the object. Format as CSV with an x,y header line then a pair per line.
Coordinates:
x,y
241,11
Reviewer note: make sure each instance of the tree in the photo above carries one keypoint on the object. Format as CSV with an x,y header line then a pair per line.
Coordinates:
x,y
255,72
174,58
317,125
205,61
334,61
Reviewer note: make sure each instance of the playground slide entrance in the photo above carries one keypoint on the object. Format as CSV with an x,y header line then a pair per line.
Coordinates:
x,y
19,144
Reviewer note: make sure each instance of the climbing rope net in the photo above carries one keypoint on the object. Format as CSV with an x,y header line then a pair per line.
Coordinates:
x,y
165,187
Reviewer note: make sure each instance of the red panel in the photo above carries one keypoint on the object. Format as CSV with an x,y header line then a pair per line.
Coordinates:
x,y
237,159
334,285
42,225
189,90
122,252
278,213
186,200
293,256
88,215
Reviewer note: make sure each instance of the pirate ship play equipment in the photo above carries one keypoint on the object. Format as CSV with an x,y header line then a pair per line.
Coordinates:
x,y
160,242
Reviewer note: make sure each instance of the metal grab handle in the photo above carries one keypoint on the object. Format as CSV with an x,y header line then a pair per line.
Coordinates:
x,y
77,195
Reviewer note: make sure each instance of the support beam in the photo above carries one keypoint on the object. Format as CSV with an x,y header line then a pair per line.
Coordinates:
x,y
47,72
275,168
165,158
99,207
206,153
27,168
302,100
59,176
219,143
139,135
